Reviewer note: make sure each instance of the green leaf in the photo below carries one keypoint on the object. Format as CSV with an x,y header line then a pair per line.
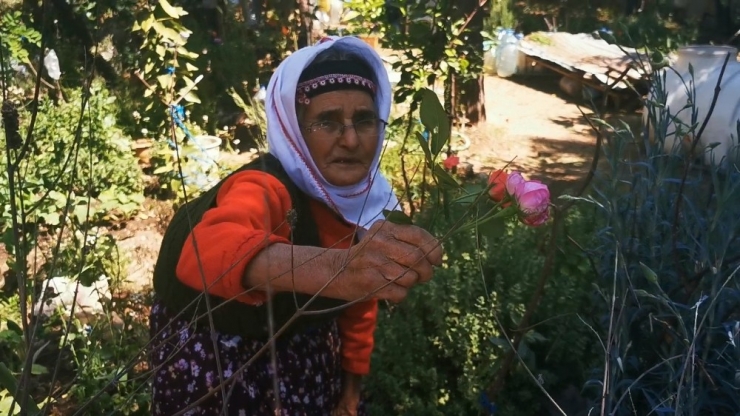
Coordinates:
x,y
137,198
494,213
148,67
80,212
493,230
173,12
161,51
162,169
38,369
191,97
351,15
14,327
425,146
444,179
9,382
471,194
186,53
649,274
52,218
500,342
147,24
58,197
435,119
166,32
397,217
164,80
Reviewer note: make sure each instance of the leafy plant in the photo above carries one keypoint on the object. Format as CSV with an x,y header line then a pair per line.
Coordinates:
x,y
667,264
437,351
17,37
80,165
167,60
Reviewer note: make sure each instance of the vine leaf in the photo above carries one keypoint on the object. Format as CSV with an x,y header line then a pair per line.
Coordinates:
x,y
425,146
173,12
445,180
435,120
8,381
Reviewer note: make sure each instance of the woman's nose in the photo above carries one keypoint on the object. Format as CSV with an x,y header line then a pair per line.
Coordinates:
x,y
349,137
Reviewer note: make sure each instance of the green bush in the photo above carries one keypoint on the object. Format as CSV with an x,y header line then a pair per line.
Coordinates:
x,y
441,347
670,298
78,157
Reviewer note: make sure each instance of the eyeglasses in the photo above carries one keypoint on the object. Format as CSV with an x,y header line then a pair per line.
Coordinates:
x,y
363,128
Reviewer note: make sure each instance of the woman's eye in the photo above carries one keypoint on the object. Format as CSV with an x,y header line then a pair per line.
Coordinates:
x,y
325,125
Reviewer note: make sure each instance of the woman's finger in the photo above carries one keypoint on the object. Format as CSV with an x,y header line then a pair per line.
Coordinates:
x,y
399,275
410,257
420,238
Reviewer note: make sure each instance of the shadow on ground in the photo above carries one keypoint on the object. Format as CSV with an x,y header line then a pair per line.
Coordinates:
x,y
562,164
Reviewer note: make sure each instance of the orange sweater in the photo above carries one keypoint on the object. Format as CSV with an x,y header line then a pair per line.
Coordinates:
x,y
249,215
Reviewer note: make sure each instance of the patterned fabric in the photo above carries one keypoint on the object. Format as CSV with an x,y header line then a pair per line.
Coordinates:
x,y
311,87
184,363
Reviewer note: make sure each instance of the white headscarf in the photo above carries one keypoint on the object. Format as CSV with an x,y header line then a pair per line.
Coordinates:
x,y
361,204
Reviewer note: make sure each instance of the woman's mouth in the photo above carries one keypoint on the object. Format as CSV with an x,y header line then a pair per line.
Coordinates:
x,y
346,161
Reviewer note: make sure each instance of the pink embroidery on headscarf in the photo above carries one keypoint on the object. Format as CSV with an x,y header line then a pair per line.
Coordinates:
x,y
325,39
306,87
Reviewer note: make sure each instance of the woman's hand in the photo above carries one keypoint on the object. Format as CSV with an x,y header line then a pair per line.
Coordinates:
x,y
345,409
387,262
350,398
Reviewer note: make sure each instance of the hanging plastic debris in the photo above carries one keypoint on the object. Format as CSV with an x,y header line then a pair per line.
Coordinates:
x,y
51,63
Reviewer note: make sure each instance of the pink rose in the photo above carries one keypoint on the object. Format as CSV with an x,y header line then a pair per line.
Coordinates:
x,y
514,180
533,198
536,220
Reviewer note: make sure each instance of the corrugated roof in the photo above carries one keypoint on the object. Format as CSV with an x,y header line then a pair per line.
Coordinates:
x,y
588,56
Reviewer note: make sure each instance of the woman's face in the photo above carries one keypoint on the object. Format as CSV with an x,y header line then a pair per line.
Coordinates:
x,y
343,155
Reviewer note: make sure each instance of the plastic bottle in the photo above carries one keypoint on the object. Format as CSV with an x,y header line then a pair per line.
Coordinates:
x,y
489,58
507,55
51,63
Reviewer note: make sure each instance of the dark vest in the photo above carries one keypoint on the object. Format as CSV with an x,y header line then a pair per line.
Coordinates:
x,y
231,316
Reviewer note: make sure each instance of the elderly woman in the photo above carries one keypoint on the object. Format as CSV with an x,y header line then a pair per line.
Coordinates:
x,y
269,304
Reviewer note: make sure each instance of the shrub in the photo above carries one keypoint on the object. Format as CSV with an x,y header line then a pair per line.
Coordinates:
x,y
440,348
76,152
670,298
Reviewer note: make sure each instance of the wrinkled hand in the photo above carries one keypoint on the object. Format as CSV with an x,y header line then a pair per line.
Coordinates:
x,y
345,409
388,261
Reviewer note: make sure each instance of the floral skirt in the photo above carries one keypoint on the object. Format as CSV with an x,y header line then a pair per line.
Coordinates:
x,y
306,374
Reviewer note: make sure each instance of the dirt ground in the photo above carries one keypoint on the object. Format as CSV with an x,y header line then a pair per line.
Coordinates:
x,y
534,127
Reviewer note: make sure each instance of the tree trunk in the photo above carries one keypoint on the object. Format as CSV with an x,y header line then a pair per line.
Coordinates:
x,y
470,93
305,23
